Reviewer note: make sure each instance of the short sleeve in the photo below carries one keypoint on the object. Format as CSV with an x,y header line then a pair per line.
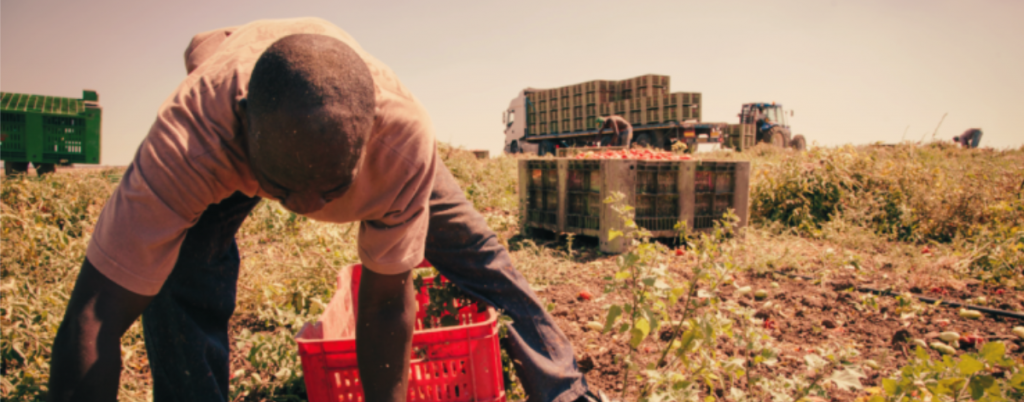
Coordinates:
x,y
180,169
395,243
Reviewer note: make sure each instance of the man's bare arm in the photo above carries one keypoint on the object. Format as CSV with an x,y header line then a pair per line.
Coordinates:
x,y
86,359
384,326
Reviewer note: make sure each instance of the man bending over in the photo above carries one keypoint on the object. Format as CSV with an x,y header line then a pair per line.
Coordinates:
x,y
294,111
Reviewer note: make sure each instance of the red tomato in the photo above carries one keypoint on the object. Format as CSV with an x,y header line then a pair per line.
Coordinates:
x,y
1000,292
642,154
585,295
680,251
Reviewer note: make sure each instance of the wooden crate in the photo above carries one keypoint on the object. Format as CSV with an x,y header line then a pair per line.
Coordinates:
x,y
566,195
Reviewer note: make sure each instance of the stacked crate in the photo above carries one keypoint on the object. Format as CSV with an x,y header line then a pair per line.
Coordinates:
x,y
50,129
740,136
663,194
641,100
542,192
657,195
584,195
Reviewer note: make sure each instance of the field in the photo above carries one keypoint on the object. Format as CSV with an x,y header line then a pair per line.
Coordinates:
x,y
769,312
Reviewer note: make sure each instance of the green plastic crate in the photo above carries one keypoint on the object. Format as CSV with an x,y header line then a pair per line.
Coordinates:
x,y
50,129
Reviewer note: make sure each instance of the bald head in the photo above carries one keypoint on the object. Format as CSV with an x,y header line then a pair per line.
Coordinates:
x,y
309,113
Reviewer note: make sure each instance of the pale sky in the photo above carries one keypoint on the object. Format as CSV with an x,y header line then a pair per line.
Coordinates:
x,y
853,71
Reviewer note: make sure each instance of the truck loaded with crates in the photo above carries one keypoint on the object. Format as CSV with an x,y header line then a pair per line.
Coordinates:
x,y
566,195
47,131
543,120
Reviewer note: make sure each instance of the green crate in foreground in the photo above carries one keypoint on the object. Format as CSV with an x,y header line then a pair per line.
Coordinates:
x,y
49,130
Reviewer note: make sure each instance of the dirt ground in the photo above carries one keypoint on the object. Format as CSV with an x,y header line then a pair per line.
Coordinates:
x,y
800,315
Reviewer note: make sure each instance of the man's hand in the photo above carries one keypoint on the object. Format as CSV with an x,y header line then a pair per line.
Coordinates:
x,y
86,360
384,326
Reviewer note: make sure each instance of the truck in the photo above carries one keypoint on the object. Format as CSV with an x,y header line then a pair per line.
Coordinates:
x,y
543,120
47,131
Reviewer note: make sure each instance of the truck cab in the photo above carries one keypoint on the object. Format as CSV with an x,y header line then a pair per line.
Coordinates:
x,y
514,120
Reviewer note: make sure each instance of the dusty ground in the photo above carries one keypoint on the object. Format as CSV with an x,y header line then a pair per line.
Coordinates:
x,y
800,315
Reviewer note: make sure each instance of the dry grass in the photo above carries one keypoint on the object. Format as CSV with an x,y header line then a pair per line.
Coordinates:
x,y
813,212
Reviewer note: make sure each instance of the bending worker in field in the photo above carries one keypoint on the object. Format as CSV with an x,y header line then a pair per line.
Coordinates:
x,y
623,130
295,111
969,139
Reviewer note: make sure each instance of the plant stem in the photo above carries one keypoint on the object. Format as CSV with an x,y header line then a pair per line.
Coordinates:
x,y
637,296
675,331
814,382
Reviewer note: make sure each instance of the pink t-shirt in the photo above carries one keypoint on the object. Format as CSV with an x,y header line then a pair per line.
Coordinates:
x,y
194,157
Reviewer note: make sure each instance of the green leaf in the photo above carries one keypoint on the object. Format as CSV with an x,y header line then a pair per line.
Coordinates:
x,y
979,384
622,275
949,386
649,281
889,385
680,385
969,365
921,353
848,379
993,351
1017,381
613,234
686,342
613,314
640,331
675,294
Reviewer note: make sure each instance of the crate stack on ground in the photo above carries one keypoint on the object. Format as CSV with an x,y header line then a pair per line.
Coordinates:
x,y
565,195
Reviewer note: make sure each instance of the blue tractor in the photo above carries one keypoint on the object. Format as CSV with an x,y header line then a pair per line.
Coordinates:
x,y
766,122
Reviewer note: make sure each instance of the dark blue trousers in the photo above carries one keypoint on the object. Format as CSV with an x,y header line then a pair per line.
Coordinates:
x,y
186,324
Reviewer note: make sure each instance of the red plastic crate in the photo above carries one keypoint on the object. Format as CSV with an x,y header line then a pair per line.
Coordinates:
x,y
452,364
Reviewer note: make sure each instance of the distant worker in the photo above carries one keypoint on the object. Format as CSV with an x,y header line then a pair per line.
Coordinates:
x,y
969,139
623,130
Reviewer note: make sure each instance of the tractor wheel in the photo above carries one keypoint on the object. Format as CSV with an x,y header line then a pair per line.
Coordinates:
x,y
777,138
798,143
643,140
513,148
546,147
45,168
15,168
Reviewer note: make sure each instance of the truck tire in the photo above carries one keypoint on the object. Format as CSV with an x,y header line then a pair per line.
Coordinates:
x,y
798,143
546,147
15,168
44,168
643,140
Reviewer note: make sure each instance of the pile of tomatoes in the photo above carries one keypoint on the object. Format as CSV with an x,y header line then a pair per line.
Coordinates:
x,y
645,154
